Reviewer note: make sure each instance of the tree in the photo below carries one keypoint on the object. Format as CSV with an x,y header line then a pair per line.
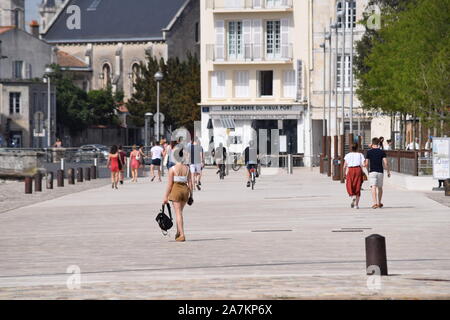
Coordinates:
x,y
179,92
102,107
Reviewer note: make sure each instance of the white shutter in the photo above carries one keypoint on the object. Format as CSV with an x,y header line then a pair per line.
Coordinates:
x,y
218,84
24,70
257,4
257,39
220,40
242,84
28,72
289,84
247,36
285,47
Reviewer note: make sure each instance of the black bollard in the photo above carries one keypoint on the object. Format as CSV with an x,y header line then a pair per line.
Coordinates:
x,y
87,174
71,176
94,172
376,253
79,174
49,180
38,182
60,178
28,185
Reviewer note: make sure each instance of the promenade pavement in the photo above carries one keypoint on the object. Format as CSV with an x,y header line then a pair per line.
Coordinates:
x,y
293,237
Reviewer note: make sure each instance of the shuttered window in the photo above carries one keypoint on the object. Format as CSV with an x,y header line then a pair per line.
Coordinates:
x,y
241,87
218,84
289,89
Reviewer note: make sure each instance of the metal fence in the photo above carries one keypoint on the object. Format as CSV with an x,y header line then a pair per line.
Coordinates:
x,y
416,163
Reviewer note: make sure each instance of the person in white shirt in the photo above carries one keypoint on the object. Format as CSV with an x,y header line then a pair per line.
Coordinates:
x,y
156,154
413,145
353,168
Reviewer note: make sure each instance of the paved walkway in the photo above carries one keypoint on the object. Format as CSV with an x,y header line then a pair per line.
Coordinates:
x,y
282,240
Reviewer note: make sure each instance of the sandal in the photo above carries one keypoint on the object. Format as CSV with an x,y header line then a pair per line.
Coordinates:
x,y
380,205
375,206
353,203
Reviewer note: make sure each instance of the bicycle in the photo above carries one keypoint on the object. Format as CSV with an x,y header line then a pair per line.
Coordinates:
x,y
236,165
253,177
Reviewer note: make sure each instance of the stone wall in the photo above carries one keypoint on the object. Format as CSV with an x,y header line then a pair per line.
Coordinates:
x,y
19,164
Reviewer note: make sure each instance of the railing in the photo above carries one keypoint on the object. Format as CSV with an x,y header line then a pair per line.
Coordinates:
x,y
249,4
249,53
416,163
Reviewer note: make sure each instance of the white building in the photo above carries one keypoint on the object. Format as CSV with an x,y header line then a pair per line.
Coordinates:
x,y
263,68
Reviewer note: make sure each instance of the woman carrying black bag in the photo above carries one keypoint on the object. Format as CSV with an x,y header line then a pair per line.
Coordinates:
x,y
179,189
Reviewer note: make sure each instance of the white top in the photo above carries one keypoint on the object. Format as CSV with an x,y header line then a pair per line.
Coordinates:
x,y
156,152
354,159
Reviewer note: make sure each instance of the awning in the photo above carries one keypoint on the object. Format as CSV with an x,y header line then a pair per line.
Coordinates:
x,y
228,123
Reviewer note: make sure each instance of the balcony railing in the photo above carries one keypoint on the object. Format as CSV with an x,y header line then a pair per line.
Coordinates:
x,y
249,53
248,4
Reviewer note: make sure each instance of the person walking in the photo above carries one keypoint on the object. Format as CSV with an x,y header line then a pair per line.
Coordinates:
x,y
135,156
113,164
156,153
220,157
196,161
353,168
169,154
251,159
376,162
123,163
179,189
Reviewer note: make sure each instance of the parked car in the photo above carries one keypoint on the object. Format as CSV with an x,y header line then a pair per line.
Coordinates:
x,y
90,152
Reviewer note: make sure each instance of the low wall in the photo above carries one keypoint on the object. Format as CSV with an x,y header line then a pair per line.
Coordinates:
x,y
20,164
421,183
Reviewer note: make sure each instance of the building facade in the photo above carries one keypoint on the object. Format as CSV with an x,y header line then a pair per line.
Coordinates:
x,y
23,95
265,73
12,13
112,38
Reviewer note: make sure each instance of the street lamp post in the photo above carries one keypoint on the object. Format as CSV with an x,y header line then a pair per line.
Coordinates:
x,y
148,115
323,45
158,78
351,3
328,37
48,72
344,23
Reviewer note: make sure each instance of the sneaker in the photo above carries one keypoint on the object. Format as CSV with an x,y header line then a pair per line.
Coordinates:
x,y
248,184
199,183
353,203
198,187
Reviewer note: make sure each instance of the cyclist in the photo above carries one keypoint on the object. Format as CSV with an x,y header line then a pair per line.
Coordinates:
x,y
251,159
220,156
197,162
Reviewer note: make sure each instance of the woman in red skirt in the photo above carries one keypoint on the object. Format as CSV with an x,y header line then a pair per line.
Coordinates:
x,y
114,165
353,168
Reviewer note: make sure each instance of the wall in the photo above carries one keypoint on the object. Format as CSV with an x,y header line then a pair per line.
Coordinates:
x,y
181,38
20,163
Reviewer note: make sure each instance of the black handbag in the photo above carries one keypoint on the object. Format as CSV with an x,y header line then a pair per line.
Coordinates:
x,y
164,222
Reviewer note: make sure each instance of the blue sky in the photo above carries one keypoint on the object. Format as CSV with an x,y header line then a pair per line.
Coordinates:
x,y
31,10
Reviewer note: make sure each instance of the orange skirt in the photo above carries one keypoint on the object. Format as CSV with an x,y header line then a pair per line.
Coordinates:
x,y
179,193
354,181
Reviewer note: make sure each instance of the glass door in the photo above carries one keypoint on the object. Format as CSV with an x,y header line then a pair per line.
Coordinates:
x,y
273,39
235,48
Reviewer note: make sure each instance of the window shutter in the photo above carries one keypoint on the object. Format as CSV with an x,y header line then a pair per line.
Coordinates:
x,y
299,80
242,84
218,84
257,39
257,4
28,73
289,84
247,36
24,70
285,48
220,40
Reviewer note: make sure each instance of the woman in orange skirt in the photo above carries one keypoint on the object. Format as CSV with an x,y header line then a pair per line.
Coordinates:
x,y
353,168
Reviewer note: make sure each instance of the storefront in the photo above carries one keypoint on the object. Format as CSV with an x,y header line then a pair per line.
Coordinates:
x,y
235,126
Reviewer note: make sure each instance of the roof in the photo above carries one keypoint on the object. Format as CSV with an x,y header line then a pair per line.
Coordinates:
x,y
66,60
115,20
6,29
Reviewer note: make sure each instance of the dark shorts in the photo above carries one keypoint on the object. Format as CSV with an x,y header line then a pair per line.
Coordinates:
x,y
156,162
251,166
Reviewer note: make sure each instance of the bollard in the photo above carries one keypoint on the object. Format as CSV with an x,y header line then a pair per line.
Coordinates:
x,y
94,172
38,182
87,174
49,180
376,253
129,168
290,164
79,174
71,176
28,185
447,188
60,178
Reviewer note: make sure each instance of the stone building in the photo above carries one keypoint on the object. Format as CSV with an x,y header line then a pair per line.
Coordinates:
x,y
23,95
112,38
12,13
48,10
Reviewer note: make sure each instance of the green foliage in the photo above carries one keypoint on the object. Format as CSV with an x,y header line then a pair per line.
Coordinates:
x,y
77,109
179,92
404,67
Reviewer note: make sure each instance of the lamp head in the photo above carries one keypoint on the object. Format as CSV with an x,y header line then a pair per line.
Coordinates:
x,y
159,76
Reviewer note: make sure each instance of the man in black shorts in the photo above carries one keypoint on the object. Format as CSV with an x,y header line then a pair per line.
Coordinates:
x,y
251,159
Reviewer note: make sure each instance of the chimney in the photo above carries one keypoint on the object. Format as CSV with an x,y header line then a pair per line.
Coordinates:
x,y
34,28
